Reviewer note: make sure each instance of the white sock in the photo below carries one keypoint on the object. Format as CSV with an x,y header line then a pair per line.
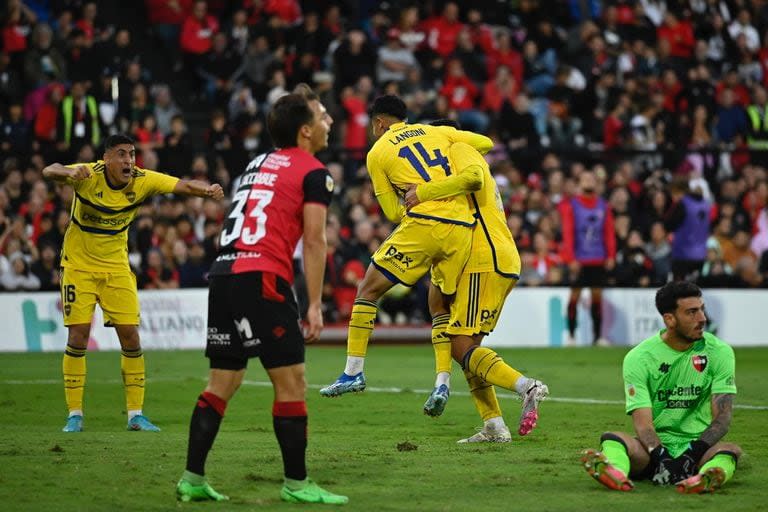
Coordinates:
x,y
443,378
354,365
496,423
521,385
131,414
75,412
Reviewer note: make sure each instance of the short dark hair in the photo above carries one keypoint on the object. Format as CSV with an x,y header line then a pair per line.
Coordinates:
x,y
389,105
116,140
287,116
668,295
446,122
306,91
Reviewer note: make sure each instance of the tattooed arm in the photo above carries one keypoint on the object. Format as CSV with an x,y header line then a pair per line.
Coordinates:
x,y
642,420
722,412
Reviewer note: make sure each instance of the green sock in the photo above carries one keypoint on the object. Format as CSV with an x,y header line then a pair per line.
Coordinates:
x,y
193,478
295,485
724,461
617,455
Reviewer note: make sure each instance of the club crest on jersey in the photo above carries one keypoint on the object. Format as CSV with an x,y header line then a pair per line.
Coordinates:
x,y
699,362
130,196
329,183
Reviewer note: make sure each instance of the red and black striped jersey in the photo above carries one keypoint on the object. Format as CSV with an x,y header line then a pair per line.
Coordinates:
x,y
266,218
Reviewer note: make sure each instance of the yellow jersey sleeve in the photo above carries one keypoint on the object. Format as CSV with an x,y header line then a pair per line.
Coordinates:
x,y
386,195
481,143
78,184
157,182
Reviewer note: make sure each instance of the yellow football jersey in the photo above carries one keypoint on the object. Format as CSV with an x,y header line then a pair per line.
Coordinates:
x,y
96,239
493,248
418,153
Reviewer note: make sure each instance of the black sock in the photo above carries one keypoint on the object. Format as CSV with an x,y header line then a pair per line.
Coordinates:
x,y
203,428
597,319
572,317
290,422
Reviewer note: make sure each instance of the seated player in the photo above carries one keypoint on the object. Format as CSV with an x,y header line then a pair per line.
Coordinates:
x,y
679,387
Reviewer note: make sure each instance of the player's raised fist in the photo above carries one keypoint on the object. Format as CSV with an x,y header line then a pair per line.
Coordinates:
x,y
80,172
215,191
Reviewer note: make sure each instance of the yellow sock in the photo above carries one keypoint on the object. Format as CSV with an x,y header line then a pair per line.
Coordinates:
x,y
132,367
484,397
441,343
360,327
73,368
489,366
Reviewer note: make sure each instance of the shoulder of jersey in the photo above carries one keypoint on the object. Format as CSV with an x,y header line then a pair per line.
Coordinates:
x,y
98,167
138,172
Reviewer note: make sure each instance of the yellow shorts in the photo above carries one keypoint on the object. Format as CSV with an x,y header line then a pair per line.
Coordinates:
x,y
114,292
478,302
418,245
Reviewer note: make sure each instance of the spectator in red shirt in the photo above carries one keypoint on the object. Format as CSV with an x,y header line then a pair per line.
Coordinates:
x,y
87,23
679,34
505,55
731,81
197,35
166,17
502,87
356,133
481,33
613,126
443,30
461,94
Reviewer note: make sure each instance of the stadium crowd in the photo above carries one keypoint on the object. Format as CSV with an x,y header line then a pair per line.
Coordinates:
x,y
642,93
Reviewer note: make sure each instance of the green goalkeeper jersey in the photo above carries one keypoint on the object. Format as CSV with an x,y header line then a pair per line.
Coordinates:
x,y
678,386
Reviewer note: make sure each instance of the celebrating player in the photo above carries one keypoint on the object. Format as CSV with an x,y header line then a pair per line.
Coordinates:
x,y
251,308
490,274
434,234
95,267
679,387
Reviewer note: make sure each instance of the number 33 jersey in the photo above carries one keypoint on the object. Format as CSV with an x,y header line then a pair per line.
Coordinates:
x,y
418,153
266,218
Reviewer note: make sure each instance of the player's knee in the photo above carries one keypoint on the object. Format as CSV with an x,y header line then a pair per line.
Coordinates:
x,y
78,335
619,437
731,448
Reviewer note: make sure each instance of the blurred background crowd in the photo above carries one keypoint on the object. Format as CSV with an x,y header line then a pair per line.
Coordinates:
x,y
643,93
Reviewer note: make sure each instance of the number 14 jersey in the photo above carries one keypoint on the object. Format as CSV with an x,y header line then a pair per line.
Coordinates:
x,y
266,218
418,153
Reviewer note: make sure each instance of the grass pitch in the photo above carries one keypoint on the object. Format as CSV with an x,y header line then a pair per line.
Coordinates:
x,y
377,447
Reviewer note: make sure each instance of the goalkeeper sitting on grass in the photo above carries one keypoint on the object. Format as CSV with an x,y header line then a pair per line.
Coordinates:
x,y
679,387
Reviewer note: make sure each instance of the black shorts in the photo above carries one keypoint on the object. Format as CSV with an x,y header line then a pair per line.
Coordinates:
x,y
686,270
252,315
591,276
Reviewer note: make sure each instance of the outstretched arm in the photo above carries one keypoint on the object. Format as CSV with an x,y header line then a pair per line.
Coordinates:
x,y
199,188
61,173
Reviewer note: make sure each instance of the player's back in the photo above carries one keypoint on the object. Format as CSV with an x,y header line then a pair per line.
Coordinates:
x,y
418,153
493,248
265,221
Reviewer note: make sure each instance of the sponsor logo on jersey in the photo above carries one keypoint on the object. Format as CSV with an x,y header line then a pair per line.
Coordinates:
x,y
99,194
217,338
699,362
119,221
396,255
680,397
488,314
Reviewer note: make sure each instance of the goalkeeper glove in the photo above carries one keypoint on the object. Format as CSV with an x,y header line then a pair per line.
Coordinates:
x,y
685,464
660,460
